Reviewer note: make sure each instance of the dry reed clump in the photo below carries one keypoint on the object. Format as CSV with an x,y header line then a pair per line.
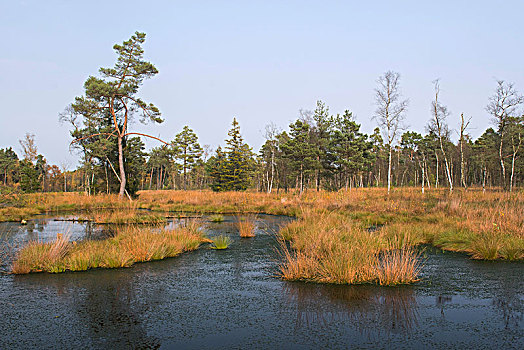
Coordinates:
x,y
330,248
129,245
246,225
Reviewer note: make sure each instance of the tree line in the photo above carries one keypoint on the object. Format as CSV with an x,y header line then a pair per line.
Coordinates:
x,y
319,150
330,152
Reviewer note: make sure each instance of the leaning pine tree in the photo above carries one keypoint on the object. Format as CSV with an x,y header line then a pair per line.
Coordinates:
x,y
114,94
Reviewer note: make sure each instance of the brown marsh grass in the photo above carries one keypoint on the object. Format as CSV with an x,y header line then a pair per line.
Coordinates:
x,y
246,225
130,245
397,266
330,241
217,202
17,214
23,206
328,247
124,216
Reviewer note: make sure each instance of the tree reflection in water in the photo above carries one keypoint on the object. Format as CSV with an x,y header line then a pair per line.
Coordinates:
x,y
114,315
108,307
367,309
509,303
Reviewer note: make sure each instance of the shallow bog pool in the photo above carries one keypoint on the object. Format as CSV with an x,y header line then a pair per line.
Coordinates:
x,y
233,299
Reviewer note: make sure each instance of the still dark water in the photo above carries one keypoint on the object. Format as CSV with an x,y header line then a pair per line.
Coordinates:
x,y
231,299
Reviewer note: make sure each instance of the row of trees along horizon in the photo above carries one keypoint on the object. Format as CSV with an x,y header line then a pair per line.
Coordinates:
x,y
318,151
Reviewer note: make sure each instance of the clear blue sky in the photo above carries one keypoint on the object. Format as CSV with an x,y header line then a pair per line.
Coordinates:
x,y
260,61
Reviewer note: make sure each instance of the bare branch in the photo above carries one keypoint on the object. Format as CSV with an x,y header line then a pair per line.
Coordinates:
x,y
137,133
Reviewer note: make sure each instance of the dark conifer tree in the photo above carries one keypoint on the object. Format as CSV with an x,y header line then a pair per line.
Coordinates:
x,y
187,151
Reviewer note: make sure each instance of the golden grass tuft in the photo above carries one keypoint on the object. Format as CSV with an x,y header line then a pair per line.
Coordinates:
x,y
246,225
397,266
328,247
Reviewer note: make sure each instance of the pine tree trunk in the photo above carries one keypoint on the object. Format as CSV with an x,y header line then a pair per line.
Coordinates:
x,y
301,178
107,179
185,168
121,166
185,176
484,179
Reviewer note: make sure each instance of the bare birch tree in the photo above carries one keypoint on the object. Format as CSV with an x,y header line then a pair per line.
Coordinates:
x,y
439,127
515,133
502,104
390,112
270,135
